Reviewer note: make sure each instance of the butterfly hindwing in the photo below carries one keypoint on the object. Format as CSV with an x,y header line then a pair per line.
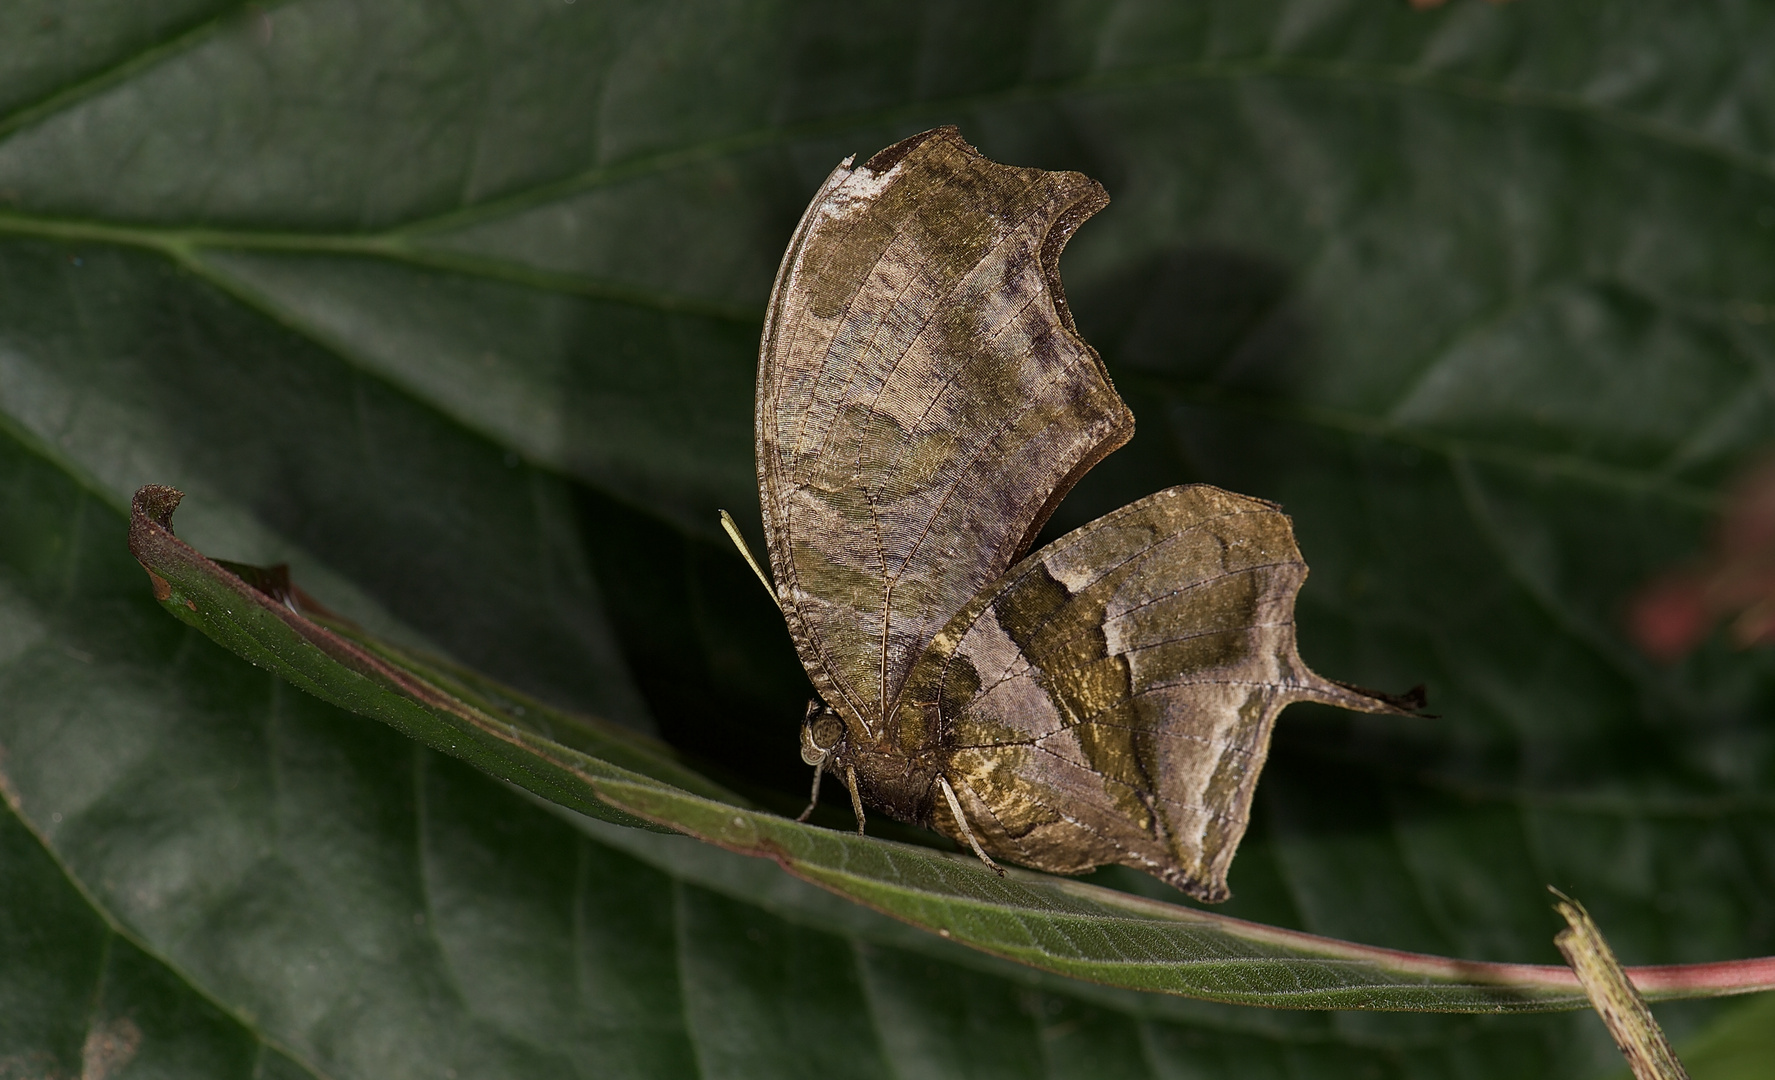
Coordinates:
x,y
923,403
1110,700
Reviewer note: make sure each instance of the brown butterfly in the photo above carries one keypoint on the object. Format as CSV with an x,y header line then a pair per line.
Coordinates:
x,y
924,403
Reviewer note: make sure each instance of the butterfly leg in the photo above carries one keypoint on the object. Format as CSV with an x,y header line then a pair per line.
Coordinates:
x,y
961,819
814,800
850,778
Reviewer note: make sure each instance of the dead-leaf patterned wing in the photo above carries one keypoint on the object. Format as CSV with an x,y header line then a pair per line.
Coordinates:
x,y
1111,699
923,402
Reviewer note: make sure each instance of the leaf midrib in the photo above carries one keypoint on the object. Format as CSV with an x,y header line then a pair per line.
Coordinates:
x,y
184,247
1394,76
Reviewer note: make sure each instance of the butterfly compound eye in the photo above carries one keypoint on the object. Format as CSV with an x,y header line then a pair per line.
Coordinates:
x,y
821,732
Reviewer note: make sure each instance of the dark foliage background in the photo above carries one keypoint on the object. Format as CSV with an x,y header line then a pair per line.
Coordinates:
x,y
453,307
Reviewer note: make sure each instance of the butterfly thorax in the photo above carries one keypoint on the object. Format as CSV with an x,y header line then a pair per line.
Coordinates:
x,y
895,768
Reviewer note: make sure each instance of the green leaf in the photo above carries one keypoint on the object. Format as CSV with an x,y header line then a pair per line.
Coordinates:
x,y
557,755
81,996
448,309
355,905
1062,927
1737,1046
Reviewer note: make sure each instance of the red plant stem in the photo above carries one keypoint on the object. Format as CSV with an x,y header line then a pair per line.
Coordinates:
x,y
1655,981
1684,980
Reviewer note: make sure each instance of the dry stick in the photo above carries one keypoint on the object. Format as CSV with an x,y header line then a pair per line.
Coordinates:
x,y
1614,997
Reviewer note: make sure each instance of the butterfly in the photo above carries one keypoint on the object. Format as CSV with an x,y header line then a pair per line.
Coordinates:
x,y
924,403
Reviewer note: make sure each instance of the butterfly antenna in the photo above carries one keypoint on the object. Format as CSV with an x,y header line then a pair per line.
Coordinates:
x,y
813,800
955,808
733,533
850,778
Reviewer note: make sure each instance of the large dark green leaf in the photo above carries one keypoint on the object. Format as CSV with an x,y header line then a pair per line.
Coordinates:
x,y
598,769
222,874
451,309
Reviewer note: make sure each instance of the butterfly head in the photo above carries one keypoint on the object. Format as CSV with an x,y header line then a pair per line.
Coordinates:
x,y
822,733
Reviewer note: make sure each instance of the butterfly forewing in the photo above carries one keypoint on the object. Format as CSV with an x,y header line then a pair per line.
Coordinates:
x,y
923,403
1110,700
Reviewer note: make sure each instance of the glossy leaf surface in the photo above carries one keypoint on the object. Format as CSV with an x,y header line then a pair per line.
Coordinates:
x,y
454,310
593,768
